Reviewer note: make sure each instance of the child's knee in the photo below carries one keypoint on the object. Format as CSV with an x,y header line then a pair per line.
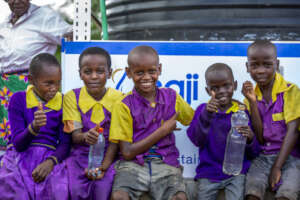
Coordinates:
x,y
120,195
179,196
251,197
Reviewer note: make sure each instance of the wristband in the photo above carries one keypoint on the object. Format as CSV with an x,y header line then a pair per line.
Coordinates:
x,y
54,159
31,130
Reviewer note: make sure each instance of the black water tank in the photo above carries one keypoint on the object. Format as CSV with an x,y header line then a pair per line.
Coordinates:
x,y
203,19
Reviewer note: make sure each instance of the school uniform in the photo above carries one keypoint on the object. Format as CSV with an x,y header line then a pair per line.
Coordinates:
x,y
81,111
283,108
133,119
27,149
209,132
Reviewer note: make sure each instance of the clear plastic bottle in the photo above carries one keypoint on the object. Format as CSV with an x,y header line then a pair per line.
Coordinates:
x,y
236,143
96,153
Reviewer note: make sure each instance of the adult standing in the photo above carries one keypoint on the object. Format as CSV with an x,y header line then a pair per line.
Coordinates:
x,y
28,31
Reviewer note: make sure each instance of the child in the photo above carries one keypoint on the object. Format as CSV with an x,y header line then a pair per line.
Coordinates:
x,y
84,108
37,144
276,102
143,123
208,131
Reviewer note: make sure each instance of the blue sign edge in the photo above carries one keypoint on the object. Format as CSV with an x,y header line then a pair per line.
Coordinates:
x,y
180,48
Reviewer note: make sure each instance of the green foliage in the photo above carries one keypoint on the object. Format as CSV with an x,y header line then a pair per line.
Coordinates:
x,y
95,30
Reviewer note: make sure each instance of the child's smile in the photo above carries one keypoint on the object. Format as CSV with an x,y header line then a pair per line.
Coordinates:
x,y
144,73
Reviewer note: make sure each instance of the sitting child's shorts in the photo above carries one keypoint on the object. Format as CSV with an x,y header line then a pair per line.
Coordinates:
x,y
159,180
233,188
258,177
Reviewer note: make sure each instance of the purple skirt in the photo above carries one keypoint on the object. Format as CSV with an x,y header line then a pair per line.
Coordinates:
x,y
80,186
16,179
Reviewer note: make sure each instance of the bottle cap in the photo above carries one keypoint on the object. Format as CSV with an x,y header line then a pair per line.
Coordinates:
x,y
99,129
242,107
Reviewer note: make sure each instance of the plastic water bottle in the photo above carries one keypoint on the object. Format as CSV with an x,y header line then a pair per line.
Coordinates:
x,y
96,153
236,143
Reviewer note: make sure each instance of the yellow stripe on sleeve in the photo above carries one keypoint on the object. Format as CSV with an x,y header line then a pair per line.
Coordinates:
x,y
70,111
277,116
121,125
291,106
184,110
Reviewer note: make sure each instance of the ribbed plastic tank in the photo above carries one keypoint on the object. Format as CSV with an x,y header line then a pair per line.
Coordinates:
x,y
203,19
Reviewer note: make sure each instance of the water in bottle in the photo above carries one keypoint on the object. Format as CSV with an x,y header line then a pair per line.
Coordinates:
x,y
96,153
236,143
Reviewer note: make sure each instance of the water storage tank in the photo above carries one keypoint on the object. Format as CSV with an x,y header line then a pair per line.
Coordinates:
x,y
203,19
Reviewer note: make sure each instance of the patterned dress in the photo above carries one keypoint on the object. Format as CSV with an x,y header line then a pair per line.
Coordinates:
x,y
9,84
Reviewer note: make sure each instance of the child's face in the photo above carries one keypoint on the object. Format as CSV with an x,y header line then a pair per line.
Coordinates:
x,y
222,83
94,72
144,73
47,82
262,65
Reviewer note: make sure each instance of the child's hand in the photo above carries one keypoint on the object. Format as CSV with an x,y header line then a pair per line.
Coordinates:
x,y
170,125
40,118
42,170
274,177
91,137
248,91
213,104
90,173
246,132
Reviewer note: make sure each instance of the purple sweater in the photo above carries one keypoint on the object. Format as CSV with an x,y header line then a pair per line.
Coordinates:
x,y
50,136
209,131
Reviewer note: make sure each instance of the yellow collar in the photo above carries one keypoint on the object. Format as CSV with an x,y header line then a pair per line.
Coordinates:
x,y
280,85
233,108
31,100
87,102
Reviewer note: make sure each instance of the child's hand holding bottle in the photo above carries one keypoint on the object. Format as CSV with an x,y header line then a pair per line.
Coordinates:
x,y
246,132
95,163
40,118
93,174
91,137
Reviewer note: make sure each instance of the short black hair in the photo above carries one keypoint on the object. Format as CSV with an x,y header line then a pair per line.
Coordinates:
x,y
141,51
41,60
262,43
217,67
95,51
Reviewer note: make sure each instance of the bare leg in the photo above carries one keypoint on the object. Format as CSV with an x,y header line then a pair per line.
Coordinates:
x,y
120,195
251,197
179,196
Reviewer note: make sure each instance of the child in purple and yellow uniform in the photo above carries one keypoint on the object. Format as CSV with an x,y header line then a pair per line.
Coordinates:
x,y
276,103
84,108
30,168
143,123
209,130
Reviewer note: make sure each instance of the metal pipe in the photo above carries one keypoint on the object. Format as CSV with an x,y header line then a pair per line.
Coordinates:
x,y
103,20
